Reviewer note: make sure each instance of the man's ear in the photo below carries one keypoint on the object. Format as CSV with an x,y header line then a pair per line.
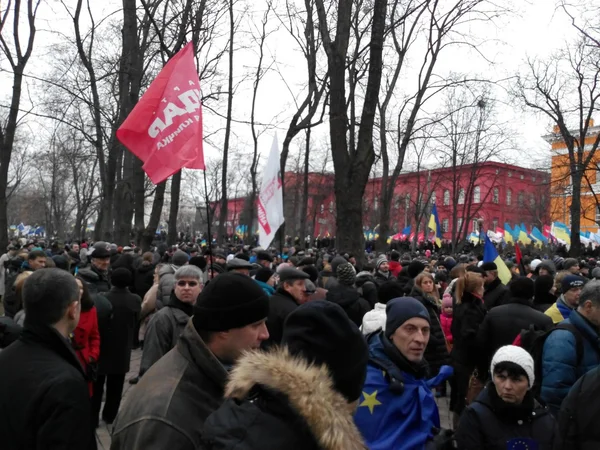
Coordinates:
x,y
73,310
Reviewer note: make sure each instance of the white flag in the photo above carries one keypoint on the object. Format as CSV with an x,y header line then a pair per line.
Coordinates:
x,y
270,201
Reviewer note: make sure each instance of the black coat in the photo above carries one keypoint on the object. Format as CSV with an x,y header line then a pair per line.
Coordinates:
x,y
504,323
351,302
276,401
143,279
281,304
436,352
117,342
491,424
495,294
44,398
466,319
96,281
578,417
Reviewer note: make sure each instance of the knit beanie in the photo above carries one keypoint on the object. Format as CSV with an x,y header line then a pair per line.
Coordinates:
x,y
231,300
522,287
335,262
199,261
535,263
399,310
515,355
121,277
263,275
382,259
346,274
570,262
179,258
596,273
447,300
570,282
321,332
415,268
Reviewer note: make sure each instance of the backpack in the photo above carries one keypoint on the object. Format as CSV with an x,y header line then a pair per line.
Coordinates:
x,y
533,340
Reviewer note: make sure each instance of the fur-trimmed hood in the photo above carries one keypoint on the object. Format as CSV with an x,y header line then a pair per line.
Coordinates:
x,y
310,392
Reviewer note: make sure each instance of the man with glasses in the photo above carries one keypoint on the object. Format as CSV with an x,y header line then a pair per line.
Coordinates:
x,y
168,323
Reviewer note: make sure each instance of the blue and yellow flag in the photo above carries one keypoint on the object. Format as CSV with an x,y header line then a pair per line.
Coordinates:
x,y
508,233
434,225
490,254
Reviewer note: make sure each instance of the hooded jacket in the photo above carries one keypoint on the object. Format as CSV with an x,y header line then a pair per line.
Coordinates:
x,y
166,283
279,401
365,284
351,302
168,407
490,423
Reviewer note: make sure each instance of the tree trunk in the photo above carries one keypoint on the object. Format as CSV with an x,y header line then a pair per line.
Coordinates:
x,y
575,210
304,208
172,236
146,236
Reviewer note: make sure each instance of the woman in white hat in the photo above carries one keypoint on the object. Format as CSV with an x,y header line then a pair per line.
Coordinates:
x,y
506,415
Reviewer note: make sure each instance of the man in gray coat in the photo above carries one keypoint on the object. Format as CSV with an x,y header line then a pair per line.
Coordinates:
x,y
168,323
168,407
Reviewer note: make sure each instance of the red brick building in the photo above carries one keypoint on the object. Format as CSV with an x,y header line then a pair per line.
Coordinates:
x,y
495,192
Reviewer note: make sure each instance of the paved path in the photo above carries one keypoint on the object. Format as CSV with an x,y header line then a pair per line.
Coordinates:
x,y
103,432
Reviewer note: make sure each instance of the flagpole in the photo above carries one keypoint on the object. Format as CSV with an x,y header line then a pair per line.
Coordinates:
x,y
208,216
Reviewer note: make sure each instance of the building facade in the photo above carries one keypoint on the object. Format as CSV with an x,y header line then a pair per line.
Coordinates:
x,y
495,192
561,188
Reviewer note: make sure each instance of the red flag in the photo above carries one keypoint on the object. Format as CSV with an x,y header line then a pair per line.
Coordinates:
x,y
164,129
518,254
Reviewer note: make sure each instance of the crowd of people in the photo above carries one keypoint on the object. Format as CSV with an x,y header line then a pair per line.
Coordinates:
x,y
251,348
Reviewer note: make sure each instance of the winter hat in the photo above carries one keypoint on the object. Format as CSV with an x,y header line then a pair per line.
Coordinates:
x,y
570,262
382,259
522,287
570,282
282,266
596,273
291,274
515,355
61,262
312,272
447,300
264,256
536,262
321,332
399,310
346,274
231,300
415,268
236,263
335,262
199,262
242,256
388,291
179,258
263,275
489,266
121,277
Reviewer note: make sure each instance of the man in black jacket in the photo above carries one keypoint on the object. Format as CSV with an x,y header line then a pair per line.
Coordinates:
x,y
503,323
44,398
495,293
289,294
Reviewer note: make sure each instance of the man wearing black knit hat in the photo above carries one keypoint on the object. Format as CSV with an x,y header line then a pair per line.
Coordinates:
x,y
495,293
502,324
301,396
173,399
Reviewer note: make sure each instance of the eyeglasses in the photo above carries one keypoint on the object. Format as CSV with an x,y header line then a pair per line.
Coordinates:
x,y
182,283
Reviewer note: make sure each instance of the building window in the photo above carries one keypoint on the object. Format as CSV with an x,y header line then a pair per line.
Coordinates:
x,y
459,222
597,214
475,229
433,197
508,197
376,203
532,201
522,177
322,208
533,179
446,197
461,196
396,202
445,225
407,201
476,194
509,174
496,196
495,224
331,207
521,200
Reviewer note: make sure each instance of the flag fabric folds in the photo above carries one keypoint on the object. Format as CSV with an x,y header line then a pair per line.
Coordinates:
x,y
164,129
561,232
490,254
434,225
270,200
508,234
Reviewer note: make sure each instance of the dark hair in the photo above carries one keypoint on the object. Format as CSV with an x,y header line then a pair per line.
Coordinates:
x,y
148,257
512,370
86,300
47,294
35,254
388,291
312,272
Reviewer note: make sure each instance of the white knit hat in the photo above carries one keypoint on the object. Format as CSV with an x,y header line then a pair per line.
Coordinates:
x,y
536,262
518,356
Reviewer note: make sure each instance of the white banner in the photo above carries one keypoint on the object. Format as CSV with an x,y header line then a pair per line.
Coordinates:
x,y
270,200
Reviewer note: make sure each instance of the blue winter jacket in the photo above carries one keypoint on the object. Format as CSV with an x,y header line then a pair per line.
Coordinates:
x,y
269,290
559,360
388,419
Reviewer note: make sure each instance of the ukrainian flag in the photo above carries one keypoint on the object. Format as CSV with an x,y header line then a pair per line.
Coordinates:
x,y
508,233
523,236
490,254
560,231
434,225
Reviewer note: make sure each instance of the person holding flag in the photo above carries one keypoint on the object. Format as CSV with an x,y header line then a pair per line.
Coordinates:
x,y
496,277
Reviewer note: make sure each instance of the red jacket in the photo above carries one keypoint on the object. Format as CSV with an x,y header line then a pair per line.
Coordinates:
x,y
395,268
87,338
446,322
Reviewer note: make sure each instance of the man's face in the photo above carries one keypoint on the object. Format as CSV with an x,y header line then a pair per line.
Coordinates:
x,y
574,269
585,271
572,296
543,272
101,263
220,260
187,290
511,389
37,263
411,338
265,263
296,289
238,340
384,267
75,248
591,312
352,261
489,277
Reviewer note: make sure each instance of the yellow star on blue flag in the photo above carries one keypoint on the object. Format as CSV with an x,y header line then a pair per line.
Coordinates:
x,y
370,401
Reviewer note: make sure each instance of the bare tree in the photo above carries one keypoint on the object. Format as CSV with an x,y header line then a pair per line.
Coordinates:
x,y
18,57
